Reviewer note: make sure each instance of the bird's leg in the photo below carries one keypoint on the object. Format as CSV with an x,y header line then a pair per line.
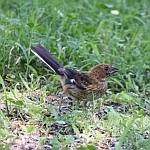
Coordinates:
x,y
85,103
60,101
70,102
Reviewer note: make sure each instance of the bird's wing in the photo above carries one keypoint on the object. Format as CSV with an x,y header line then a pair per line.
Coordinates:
x,y
82,80
78,78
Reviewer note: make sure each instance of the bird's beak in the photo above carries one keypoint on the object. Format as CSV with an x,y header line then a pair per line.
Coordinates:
x,y
114,70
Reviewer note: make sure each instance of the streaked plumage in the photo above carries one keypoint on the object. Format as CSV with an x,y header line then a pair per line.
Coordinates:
x,y
80,85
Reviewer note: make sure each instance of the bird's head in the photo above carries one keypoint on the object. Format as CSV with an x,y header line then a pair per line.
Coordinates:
x,y
103,71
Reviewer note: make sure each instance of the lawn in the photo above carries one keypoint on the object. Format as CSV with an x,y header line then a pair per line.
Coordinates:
x,y
80,35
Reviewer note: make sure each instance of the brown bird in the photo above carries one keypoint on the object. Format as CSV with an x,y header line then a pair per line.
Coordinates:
x,y
80,85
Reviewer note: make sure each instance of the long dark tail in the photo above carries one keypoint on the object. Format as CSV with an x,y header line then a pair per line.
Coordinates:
x,y
47,58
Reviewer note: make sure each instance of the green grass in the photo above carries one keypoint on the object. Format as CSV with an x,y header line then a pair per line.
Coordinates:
x,y
80,34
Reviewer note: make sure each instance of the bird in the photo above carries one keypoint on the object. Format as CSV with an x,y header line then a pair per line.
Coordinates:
x,y
79,85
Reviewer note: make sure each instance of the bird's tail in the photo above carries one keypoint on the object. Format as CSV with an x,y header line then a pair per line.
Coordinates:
x,y
47,58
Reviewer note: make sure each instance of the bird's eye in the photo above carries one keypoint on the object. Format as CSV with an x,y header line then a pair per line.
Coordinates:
x,y
106,68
